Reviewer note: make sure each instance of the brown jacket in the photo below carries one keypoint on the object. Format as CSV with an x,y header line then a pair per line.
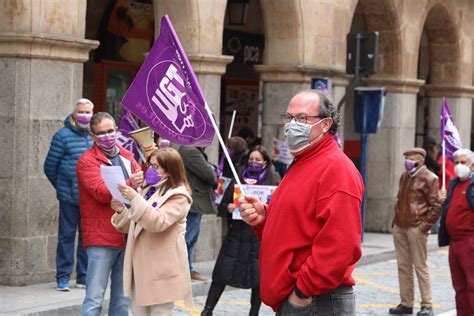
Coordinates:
x,y
418,203
156,260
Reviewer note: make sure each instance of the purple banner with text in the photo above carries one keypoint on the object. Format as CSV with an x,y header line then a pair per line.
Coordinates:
x,y
166,95
449,131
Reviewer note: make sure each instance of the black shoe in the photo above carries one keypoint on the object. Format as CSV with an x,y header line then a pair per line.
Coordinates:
x,y
207,311
425,311
400,310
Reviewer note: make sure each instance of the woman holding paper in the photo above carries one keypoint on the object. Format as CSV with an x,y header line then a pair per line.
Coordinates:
x,y
237,263
156,271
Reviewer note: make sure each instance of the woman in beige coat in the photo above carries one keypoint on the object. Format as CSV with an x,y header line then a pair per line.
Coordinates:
x,y
156,271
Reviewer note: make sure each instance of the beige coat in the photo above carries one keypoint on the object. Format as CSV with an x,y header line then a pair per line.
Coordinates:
x,y
156,260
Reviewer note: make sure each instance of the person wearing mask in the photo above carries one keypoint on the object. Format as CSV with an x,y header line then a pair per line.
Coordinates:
x,y
156,256
457,231
417,209
68,144
237,262
310,232
105,246
202,178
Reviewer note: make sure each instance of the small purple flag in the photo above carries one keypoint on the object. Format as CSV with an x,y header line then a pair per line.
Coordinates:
x,y
449,132
166,95
127,124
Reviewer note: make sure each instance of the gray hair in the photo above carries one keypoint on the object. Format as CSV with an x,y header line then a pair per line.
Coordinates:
x,y
84,101
463,152
326,108
99,117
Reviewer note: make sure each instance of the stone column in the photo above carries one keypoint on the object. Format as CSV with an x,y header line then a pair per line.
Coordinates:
x,y
199,25
385,150
42,51
459,100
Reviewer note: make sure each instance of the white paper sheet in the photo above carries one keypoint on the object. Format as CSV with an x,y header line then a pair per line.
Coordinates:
x,y
113,176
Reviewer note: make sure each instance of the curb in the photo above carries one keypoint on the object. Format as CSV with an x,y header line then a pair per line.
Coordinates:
x,y
387,255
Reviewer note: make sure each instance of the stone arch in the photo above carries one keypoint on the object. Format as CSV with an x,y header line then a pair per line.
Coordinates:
x,y
283,31
443,45
382,16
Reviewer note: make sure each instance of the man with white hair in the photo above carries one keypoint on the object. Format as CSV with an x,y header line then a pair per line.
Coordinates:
x,y
457,231
68,144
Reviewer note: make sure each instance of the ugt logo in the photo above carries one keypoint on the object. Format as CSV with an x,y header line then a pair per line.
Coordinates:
x,y
170,98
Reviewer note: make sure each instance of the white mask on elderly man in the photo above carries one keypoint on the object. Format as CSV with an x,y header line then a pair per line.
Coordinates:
x,y
462,171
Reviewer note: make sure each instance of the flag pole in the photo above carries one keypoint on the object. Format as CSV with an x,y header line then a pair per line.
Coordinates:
x,y
444,164
221,142
232,124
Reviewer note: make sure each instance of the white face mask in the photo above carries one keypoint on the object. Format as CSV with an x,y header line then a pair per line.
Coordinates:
x,y
298,135
462,171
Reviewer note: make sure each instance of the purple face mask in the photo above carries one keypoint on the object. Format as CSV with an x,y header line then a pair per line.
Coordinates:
x,y
152,176
83,119
107,142
255,167
410,165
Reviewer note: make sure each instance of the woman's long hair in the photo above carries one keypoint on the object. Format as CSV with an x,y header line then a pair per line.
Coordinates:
x,y
170,160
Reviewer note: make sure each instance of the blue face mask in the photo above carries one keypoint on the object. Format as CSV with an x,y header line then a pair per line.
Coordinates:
x,y
298,135
152,176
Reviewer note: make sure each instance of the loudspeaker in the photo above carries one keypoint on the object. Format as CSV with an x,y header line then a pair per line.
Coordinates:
x,y
144,137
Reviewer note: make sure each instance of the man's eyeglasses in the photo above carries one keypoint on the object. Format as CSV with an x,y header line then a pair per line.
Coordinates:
x,y
103,133
300,118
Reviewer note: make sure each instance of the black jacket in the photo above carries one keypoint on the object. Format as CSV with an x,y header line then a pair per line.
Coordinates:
x,y
237,263
201,177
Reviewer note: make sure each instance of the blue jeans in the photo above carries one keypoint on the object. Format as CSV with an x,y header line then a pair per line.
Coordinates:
x,y
339,301
105,261
193,225
68,225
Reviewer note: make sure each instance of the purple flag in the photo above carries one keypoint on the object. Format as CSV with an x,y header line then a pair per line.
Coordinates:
x,y
449,132
127,124
166,95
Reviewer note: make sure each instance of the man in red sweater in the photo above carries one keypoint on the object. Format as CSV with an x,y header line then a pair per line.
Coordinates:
x,y
311,231
105,246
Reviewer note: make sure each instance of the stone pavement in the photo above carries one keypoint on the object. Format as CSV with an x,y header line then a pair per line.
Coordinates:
x,y
43,299
376,291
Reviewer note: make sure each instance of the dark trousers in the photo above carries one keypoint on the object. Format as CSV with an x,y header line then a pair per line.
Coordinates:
x,y
68,225
461,265
339,301
215,292
193,226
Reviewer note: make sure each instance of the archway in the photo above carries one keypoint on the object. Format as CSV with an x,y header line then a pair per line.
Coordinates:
x,y
438,66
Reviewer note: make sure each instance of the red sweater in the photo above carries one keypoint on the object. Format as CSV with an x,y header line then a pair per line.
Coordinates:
x,y
311,236
95,198
460,217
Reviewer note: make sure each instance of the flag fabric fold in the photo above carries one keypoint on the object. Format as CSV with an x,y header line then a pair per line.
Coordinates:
x,y
166,95
126,125
449,132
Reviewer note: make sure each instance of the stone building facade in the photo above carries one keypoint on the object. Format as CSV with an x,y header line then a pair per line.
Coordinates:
x,y
49,58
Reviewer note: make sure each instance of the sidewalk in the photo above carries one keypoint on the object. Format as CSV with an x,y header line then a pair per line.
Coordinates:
x,y
43,299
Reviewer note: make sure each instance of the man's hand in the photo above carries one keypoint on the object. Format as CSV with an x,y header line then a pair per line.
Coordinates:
x,y
128,193
251,210
295,300
442,195
136,179
117,206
